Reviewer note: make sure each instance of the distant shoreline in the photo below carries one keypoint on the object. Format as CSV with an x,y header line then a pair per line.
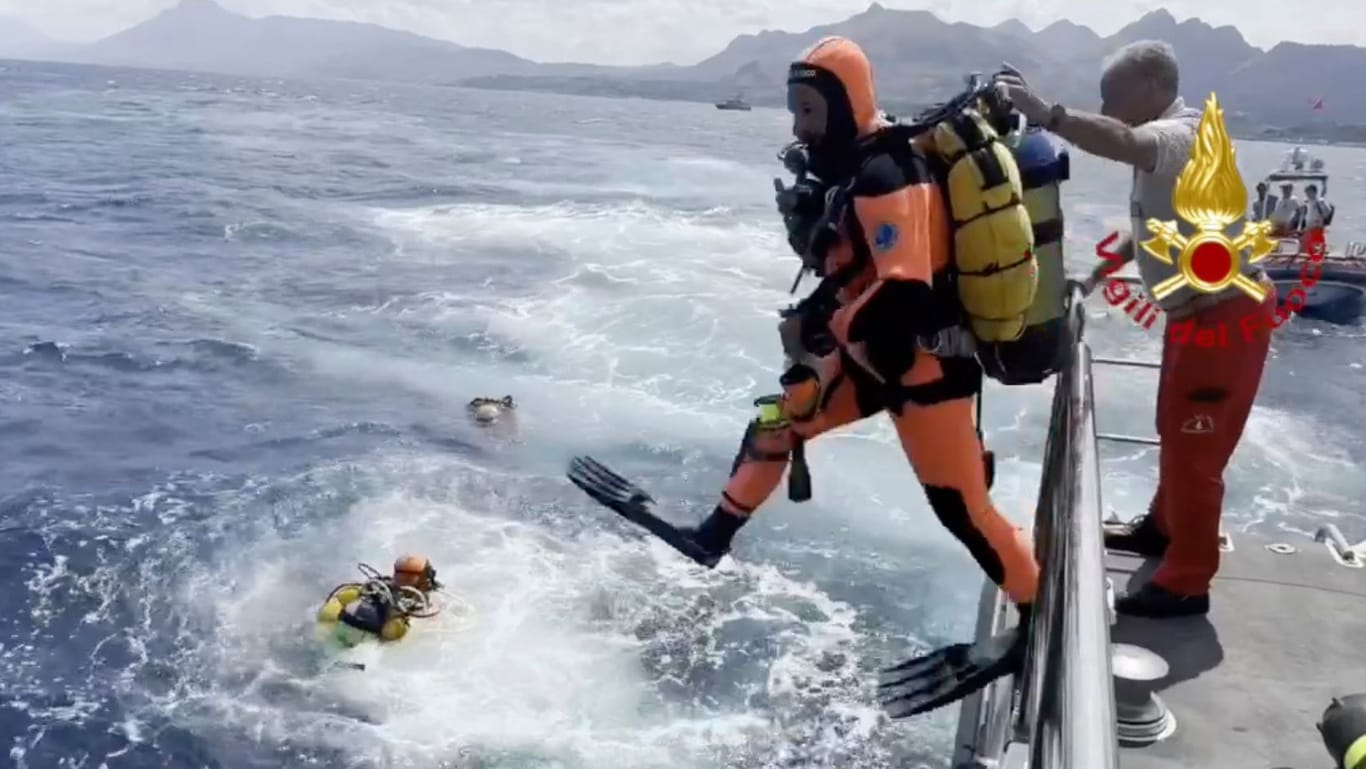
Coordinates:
x,y
919,56
703,93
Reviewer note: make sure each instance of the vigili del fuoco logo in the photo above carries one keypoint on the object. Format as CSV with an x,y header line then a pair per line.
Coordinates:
x,y
1209,196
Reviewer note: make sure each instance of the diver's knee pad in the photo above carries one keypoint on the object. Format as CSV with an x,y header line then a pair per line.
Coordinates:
x,y
951,509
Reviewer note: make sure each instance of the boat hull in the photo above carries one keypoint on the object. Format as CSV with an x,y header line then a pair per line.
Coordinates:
x,y
1337,297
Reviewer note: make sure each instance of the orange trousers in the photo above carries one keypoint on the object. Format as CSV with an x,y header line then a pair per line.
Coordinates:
x,y
939,438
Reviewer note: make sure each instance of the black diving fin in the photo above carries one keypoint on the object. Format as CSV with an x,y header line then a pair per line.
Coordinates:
x,y
632,503
948,674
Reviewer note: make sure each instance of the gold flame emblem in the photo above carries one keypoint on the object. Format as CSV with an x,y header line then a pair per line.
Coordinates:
x,y
1210,195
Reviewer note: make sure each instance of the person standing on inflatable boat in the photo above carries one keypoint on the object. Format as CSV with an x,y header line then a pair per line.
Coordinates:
x,y
892,283
1205,395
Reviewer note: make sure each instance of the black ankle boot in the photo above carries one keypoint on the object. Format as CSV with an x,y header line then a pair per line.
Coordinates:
x,y
1156,602
1139,537
715,533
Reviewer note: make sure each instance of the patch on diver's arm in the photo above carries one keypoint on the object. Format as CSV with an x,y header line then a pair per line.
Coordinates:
x,y
885,237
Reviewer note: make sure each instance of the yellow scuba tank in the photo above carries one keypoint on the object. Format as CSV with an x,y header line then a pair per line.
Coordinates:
x,y
330,619
337,600
993,242
1006,204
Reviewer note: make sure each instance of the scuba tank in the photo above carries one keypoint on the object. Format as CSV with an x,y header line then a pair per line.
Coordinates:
x,y
1002,180
1037,353
1344,731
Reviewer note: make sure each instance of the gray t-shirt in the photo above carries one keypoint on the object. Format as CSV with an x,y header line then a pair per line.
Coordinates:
x,y
1151,198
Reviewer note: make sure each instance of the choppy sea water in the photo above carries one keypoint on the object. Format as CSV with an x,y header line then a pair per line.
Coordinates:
x,y
241,319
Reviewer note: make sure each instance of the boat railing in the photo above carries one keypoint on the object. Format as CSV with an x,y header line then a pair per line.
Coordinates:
x,y
1067,705
1060,713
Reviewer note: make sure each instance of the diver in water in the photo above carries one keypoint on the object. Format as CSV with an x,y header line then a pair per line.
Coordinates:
x,y
887,285
381,606
496,416
487,411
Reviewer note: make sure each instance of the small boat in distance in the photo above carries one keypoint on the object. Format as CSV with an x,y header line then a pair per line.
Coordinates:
x,y
736,102
1339,294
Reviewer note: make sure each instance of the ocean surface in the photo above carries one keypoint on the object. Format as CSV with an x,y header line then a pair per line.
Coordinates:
x,y
239,323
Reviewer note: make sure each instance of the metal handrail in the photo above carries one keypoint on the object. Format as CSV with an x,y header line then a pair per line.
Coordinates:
x,y
1068,705
1142,440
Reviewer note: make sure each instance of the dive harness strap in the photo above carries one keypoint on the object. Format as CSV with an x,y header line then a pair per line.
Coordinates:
x,y
951,342
771,417
955,341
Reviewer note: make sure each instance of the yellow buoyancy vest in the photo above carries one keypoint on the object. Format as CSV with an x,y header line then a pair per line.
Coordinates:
x,y
395,628
993,239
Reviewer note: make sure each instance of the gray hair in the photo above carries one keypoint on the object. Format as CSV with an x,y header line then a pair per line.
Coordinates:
x,y
1151,60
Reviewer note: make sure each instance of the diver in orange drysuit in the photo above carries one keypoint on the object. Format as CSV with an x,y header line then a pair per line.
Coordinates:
x,y
895,248
890,261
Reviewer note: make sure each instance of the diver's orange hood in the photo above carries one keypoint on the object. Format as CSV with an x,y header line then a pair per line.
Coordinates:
x,y
844,59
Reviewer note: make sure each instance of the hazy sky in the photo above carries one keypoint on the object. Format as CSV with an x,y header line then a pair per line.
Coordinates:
x,y
684,31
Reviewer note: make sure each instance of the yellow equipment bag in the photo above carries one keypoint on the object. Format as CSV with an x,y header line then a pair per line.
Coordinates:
x,y
993,238
1008,234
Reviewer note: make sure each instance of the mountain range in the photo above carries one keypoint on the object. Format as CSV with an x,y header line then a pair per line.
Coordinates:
x,y
918,57
20,41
